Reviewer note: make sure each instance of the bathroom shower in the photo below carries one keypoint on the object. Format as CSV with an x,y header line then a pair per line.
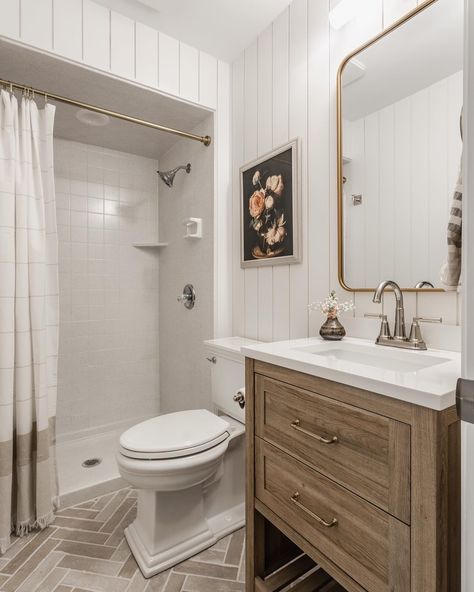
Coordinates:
x,y
168,176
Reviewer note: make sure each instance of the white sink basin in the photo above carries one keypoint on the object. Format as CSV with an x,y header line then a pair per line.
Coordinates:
x,y
424,378
384,358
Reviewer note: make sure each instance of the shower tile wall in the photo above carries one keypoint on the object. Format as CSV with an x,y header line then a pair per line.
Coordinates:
x,y
108,351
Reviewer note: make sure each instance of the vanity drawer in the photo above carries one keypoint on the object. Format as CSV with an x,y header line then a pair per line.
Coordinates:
x,y
370,545
367,453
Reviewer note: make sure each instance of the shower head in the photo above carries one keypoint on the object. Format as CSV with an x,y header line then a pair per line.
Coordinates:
x,y
168,176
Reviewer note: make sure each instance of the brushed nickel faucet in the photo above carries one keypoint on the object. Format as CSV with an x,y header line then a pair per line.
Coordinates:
x,y
399,339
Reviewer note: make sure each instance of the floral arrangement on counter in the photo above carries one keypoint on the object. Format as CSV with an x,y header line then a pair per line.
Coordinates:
x,y
331,306
267,215
332,330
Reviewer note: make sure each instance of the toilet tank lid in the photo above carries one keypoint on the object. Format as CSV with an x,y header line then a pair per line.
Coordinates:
x,y
174,431
229,345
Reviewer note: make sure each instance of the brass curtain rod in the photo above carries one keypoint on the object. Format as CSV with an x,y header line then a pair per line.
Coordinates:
x,y
206,140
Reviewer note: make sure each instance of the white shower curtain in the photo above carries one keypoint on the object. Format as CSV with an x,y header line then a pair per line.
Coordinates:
x,y
28,317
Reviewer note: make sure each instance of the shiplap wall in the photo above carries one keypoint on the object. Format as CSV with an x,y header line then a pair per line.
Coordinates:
x,y
88,33
404,162
284,85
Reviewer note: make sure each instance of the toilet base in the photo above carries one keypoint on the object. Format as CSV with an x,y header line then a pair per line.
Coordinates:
x,y
160,539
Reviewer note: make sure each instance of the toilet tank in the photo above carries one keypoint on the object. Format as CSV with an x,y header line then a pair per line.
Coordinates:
x,y
227,373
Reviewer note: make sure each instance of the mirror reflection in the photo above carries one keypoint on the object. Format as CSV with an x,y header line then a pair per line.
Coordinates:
x,y
401,147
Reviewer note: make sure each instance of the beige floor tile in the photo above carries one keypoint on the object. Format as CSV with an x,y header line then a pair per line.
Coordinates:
x,y
99,566
175,582
22,574
52,580
34,542
112,506
223,572
39,574
76,556
129,568
118,515
81,536
79,513
117,534
234,551
202,584
94,525
86,549
95,582
138,583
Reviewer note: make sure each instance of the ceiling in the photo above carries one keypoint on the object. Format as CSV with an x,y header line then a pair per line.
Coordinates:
x,y
28,67
426,49
223,28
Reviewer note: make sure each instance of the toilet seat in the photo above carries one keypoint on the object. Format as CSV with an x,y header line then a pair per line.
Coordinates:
x,y
174,435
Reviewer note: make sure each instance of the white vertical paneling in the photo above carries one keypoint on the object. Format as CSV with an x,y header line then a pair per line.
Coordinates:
x,y
168,64
318,155
96,35
371,200
10,21
67,28
122,45
437,177
395,9
223,207
419,183
265,144
207,80
36,19
238,116
280,112
402,169
146,55
250,153
388,238
354,227
189,72
298,127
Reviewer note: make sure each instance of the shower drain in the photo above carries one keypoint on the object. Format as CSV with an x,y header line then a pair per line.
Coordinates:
x,y
91,462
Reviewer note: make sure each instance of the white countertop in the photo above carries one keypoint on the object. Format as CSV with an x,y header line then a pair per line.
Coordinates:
x,y
422,378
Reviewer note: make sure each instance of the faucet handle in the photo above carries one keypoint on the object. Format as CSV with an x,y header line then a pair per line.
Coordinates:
x,y
415,331
427,319
384,327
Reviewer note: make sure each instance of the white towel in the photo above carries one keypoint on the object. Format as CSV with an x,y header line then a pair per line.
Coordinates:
x,y
451,270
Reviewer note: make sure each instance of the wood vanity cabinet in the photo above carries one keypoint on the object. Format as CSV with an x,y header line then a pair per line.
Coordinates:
x,y
360,485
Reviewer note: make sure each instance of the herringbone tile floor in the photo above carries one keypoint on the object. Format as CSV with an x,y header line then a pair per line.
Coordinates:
x,y
85,551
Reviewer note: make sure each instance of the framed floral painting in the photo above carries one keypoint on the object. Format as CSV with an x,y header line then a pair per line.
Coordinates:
x,y
270,208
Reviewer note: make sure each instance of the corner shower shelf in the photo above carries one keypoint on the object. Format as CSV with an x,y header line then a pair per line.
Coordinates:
x,y
150,245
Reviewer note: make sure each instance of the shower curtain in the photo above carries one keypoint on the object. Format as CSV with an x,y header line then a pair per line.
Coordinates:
x,y
29,324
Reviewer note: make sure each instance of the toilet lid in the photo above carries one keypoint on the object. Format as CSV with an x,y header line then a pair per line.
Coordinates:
x,y
174,434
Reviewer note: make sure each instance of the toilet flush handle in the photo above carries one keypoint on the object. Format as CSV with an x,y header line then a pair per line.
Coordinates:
x,y
239,398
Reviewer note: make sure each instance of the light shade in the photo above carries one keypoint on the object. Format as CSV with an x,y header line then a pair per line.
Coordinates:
x,y
344,12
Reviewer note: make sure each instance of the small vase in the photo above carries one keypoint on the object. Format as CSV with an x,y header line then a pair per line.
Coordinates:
x,y
332,330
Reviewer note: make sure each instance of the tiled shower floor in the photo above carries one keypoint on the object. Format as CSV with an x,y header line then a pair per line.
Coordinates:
x,y
85,551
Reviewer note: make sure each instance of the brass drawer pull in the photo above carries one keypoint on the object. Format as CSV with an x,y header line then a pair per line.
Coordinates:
x,y
295,499
296,425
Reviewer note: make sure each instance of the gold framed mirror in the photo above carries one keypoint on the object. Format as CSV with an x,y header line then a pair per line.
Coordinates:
x,y
399,98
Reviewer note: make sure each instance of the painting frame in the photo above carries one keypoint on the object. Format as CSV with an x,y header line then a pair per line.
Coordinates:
x,y
251,254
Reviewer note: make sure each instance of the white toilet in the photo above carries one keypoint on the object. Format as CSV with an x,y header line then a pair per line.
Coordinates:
x,y
189,469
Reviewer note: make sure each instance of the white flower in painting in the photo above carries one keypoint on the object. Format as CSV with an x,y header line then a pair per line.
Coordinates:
x,y
269,202
276,232
256,178
275,184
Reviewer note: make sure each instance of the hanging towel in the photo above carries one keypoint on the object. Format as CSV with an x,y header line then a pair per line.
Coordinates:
x,y
451,270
